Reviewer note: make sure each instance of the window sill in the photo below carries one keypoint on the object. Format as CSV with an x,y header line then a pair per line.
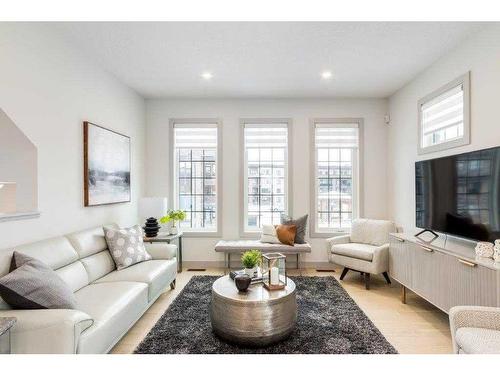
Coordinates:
x,y
19,216
200,234
328,234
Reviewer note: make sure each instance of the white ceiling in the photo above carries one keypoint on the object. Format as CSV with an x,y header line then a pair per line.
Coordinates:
x,y
266,59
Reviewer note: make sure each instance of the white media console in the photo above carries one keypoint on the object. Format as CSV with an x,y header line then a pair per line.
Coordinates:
x,y
445,272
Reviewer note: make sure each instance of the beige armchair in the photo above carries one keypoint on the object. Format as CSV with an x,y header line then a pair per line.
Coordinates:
x,y
475,329
365,250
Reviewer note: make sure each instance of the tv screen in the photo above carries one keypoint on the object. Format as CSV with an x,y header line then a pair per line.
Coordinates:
x,y
460,194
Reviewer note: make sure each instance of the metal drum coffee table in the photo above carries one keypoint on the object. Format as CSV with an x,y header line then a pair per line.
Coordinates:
x,y
258,317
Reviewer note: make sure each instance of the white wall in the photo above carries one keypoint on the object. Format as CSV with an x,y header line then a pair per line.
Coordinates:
x,y
230,111
481,55
48,88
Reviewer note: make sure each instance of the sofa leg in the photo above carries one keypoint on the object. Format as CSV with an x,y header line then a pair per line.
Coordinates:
x,y
367,281
344,272
172,285
386,276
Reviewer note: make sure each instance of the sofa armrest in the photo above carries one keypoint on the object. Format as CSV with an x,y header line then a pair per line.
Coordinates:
x,y
159,250
47,331
474,317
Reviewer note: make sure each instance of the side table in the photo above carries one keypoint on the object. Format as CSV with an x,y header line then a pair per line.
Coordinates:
x,y
170,238
5,326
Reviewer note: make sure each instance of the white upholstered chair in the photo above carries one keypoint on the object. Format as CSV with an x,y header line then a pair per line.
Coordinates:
x,y
365,249
475,329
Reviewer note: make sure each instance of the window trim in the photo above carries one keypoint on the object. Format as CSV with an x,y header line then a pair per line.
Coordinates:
x,y
288,168
200,121
313,233
463,80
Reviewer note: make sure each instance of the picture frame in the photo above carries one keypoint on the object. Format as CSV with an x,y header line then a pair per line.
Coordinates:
x,y
107,166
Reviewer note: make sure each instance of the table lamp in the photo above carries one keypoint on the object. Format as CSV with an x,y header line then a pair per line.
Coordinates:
x,y
151,209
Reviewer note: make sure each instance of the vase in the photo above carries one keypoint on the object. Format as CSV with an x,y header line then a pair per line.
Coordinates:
x,y
173,230
484,249
242,282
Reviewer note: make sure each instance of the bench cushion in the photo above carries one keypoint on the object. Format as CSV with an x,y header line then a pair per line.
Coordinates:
x,y
244,245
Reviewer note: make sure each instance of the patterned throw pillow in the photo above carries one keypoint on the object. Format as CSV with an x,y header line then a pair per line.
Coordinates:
x,y
301,224
126,246
31,284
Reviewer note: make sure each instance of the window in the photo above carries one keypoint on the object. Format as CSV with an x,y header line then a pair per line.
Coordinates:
x,y
444,117
335,177
195,174
265,170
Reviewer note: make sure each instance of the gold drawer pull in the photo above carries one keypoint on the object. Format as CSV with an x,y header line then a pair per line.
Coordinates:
x,y
467,263
399,239
428,249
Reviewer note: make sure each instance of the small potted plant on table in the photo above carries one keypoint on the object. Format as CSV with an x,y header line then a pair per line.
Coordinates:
x,y
173,216
250,260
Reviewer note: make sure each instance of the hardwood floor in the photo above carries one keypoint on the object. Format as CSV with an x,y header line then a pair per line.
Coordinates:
x,y
417,327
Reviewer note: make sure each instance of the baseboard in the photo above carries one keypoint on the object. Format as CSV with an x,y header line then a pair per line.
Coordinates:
x,y
235,264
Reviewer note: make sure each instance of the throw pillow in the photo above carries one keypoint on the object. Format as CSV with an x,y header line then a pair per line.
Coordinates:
x,y
269,234
301,224
126,246
33,285
286,233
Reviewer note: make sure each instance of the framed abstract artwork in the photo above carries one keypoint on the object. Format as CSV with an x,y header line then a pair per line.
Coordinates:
x,y
106,155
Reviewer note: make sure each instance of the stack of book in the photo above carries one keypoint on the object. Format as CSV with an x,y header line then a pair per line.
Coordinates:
x,y
256,279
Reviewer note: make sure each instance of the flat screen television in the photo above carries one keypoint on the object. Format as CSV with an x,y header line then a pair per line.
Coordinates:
x,y
460,194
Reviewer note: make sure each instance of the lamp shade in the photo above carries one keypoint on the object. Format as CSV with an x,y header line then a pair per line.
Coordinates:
x,y
153,207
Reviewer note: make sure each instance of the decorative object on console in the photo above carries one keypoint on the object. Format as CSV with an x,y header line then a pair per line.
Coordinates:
x,y
242,282
31,284
286,233
250,260
484,249
496,251
300,223
106,166
256,278
274,271
152,208
126,246
173,216
269,234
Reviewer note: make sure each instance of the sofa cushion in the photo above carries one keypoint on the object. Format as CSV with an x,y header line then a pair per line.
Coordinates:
x,y
355,250
114,307
372,232
34,285
88,242
478,340
126,246
98,265
156,273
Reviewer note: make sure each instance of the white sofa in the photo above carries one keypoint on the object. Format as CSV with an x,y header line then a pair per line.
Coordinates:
x,y
109,301
365,249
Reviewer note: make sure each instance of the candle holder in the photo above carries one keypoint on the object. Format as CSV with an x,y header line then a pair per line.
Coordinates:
x,y
274,271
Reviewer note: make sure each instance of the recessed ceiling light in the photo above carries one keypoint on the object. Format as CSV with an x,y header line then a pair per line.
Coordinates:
x,y
207,75
326,74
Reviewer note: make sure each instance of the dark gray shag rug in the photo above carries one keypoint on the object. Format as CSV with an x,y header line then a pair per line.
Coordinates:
x,y
328,322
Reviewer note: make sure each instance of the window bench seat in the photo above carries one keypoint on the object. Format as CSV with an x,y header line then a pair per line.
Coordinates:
x,y
240,246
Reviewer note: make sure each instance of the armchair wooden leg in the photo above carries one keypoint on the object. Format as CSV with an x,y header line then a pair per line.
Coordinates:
x,y
386,276
367,281
344,272
172,285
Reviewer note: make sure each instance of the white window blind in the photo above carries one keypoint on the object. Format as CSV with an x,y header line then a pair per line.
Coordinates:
x,y
266,177
443,117
336,175
195,175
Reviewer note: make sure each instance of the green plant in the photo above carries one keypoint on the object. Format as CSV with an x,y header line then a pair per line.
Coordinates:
x,y
173,216
251,258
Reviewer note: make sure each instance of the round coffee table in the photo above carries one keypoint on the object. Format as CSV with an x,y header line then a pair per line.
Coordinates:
x,y
258,317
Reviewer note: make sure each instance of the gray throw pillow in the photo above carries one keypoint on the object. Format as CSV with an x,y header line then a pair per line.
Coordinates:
x,y
31,284
126,246
300,223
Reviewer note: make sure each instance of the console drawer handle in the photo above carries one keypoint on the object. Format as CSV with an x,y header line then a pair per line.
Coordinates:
x,y
399,239
467,263
428,249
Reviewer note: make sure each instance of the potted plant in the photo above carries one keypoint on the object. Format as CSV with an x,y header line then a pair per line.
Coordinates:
x,y
173,216
250,260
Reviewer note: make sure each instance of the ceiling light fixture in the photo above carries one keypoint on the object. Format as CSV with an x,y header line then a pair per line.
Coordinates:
x,y
206,75
326,74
